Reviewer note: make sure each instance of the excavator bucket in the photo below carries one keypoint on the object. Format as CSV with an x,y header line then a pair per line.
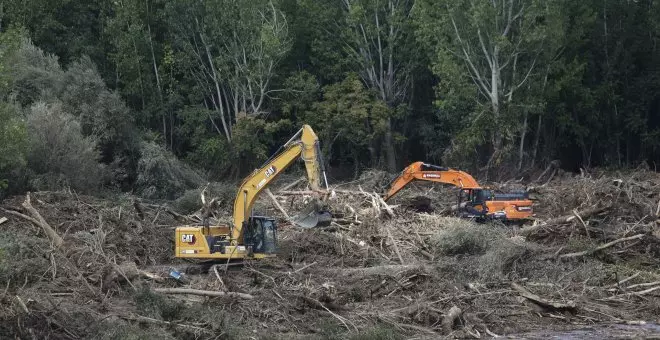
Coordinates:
x,y
312,216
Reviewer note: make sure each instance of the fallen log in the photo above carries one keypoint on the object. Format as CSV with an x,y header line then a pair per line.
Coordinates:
x,y
552,166
563,219
292,184
640,293
144,319
380,270
276,203
52,234
541,302
294,193
202,292
396,248
601,247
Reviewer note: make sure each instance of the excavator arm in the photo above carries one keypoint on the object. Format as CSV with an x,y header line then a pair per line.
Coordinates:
x,y
303,144
433,173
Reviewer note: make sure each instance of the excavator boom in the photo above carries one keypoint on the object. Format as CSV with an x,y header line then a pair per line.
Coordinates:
x,y
433,173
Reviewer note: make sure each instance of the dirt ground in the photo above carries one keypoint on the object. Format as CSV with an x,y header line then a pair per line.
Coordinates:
x,y
588,263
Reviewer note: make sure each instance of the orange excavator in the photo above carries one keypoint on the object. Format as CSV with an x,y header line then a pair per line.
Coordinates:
x,y
473,200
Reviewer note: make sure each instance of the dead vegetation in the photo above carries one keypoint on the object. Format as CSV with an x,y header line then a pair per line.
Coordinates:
x,y
74,267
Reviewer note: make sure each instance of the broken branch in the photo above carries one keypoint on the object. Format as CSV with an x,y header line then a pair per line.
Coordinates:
x,y
546,304
52,234
202,292
601,247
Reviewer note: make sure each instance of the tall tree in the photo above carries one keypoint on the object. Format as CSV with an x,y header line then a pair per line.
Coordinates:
x,y
498,44
233,50
377,37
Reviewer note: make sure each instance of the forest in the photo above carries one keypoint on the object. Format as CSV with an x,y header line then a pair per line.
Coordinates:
x,y
133,94
126,127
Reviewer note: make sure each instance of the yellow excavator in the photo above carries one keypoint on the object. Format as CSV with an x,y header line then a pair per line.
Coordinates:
x,y
252,236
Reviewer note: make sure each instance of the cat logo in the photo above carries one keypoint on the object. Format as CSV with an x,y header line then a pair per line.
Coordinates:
x,y
431,176
270,171
188,238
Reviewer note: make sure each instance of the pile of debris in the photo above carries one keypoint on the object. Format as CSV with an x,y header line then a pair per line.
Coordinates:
x,y
77,267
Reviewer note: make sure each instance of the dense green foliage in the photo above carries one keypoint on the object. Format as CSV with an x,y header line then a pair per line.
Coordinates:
x,y
220,84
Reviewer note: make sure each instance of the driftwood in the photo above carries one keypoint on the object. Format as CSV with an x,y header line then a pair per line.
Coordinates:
x,y
552,167
52,234
380,270
603,246
563,219
292,184
450,318
318,305
639,293
276,203
202,292
176,215
144,319
396,248
294,193
138,209
543,303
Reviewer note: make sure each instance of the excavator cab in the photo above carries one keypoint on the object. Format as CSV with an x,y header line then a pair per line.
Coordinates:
x,y
260,235
473,202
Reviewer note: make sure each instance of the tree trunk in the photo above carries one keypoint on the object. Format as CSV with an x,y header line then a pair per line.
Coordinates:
x,y
219,106
389,148
522,142
137,63
495,101
536,141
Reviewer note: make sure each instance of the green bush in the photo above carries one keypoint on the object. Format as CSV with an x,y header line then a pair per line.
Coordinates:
x,y
36,76
190,201
331,330
162,175
463,238
117,330
22,259
13,143
59,153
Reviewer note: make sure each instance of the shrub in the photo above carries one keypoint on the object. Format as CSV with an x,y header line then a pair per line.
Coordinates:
x,y
35,75
59,153
162,175
13,142
102,113
463,238
117,330
190,201
22,259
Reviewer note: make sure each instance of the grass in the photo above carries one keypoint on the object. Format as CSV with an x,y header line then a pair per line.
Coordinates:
x,y
482,251
22,259
331,330
464,239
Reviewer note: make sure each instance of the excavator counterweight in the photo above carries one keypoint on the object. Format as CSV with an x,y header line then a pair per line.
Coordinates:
x,y
256,236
